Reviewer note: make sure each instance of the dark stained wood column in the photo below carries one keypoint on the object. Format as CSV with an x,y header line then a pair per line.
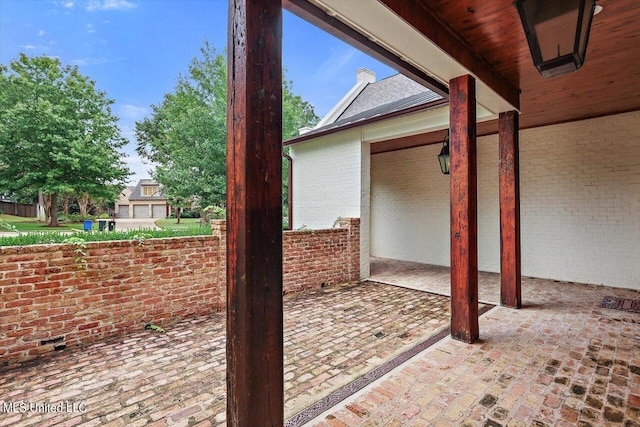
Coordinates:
x,y
255,392
510,283
464,218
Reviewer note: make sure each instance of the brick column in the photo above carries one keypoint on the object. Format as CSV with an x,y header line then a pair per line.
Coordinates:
x,y
219,230
353,244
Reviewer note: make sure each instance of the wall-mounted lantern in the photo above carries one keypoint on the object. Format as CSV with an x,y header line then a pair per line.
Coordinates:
x,y
443,158
557,33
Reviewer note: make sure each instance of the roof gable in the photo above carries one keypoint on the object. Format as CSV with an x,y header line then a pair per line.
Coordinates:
x,y
137,193
377,101
385,92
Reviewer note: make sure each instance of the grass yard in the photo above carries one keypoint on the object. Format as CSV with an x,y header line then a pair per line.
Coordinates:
x,y
25,225
185,224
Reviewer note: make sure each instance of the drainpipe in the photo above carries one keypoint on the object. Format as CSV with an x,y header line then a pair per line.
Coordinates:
x,y
289,190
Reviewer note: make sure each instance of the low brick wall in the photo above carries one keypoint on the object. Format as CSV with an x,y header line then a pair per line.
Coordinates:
x,y
314,258
49,302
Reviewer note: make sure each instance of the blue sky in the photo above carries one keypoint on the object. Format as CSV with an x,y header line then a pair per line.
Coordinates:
x,y
135,49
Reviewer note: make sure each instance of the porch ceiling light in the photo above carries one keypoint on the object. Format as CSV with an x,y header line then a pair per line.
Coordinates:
x,y
443,157
557,33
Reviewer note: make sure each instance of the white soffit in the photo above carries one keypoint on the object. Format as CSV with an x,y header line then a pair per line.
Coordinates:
x,y
380,25
416,123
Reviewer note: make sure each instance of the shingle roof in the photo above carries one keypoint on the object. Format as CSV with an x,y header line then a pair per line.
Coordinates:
x,y
384,92
136,194
395,93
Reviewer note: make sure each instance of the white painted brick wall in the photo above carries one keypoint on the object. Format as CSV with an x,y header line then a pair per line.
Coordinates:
x,y
326,180
580,203
410,206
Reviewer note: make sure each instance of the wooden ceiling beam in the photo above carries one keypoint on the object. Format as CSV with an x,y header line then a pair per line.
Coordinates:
x,y
419,16
335,27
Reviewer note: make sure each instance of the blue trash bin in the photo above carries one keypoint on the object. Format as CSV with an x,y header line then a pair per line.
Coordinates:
x,y
88,224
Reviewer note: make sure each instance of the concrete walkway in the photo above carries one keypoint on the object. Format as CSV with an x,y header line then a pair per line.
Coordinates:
x,y
123,224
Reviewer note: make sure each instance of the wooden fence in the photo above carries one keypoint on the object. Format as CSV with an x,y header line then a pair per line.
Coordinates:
x,y
19,209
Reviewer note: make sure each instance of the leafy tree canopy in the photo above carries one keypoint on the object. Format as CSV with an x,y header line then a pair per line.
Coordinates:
x,y
186,136
57,133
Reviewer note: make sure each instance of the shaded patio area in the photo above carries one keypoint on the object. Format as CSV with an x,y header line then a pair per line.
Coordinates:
x,y
560,360
564,359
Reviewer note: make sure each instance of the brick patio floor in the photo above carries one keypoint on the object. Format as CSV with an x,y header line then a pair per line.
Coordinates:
x,y
560,360
332,336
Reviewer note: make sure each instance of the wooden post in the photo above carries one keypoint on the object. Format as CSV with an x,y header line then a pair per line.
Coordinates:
x,y
464,221
510,286
255,390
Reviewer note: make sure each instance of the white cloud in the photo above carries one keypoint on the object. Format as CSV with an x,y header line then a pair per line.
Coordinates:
x,y
88,61
332,66
94,61
122,5
27,46
140,168
133,112
90,28
42,33
68,4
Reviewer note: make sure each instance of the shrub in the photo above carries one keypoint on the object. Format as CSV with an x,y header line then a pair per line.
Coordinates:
x,y
99,236
75,217
190,214
218,212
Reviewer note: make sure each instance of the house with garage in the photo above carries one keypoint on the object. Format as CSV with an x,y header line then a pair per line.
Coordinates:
x,y
145,200
375,156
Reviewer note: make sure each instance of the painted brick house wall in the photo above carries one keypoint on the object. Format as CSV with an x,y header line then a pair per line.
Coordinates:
x,y
47,302
326,180
331,180
580,203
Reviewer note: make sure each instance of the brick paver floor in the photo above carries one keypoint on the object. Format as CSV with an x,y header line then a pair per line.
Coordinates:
x,y
561,360
332,336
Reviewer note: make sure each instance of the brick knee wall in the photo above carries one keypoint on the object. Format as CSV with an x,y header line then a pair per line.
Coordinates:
x,y
313,258
49,302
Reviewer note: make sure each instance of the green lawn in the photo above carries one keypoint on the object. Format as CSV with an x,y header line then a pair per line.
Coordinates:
x,y
33,225
12,219
185,224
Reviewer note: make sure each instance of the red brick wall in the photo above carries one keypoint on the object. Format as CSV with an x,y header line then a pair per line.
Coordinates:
x,y
47,302
314,258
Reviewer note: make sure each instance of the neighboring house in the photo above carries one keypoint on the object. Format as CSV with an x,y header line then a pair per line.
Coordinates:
x,y
371,157
145,200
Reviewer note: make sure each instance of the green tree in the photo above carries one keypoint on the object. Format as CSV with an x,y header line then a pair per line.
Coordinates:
x,y
57,133
186,136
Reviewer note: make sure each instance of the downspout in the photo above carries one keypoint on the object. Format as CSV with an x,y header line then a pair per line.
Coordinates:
x,y
289,191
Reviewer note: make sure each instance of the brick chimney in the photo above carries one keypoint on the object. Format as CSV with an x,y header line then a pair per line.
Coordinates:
x,y
364,75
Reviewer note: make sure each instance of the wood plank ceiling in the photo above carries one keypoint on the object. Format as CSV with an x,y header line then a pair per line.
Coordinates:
x,y
608,83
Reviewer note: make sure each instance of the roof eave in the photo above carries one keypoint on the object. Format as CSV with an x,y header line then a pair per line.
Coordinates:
x,y
313,135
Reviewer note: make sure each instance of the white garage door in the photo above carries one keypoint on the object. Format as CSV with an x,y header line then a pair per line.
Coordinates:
x,y
141,211
159,211
123,211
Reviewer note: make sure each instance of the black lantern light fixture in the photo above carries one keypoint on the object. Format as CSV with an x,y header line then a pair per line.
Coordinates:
x,y
443,158
557,32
